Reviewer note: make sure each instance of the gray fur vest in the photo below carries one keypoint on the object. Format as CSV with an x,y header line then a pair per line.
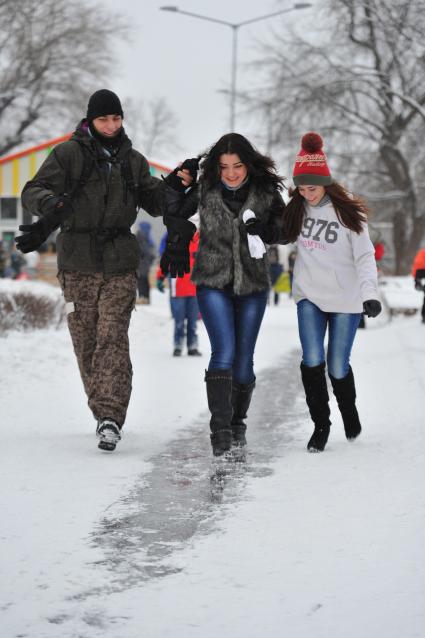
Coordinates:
x,y
223,256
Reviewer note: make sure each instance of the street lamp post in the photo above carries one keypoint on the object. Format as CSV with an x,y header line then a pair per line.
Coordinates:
x,y
235,26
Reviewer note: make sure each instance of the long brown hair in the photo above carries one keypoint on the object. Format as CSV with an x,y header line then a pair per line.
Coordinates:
x,y
351,211
261,168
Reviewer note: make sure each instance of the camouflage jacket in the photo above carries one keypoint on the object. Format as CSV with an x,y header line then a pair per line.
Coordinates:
x,y
97,237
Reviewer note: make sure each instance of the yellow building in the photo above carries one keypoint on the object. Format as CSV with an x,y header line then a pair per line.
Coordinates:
x,y
15,170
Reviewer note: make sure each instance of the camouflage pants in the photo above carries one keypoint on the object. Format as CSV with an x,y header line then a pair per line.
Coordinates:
x,y
98,312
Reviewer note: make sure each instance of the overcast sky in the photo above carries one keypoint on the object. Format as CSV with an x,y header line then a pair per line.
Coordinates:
x,y
188,60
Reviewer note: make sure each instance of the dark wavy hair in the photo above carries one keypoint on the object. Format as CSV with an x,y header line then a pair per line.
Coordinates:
x,y
350,210
261,168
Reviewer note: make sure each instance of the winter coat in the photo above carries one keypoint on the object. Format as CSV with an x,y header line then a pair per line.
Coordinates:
x,y
97,237
419,262
335,267
223,257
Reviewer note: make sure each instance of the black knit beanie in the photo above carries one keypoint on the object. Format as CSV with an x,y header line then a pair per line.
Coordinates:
x,y
103,102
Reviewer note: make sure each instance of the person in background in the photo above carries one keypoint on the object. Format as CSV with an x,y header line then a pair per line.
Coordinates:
x,y
335,280
238,208
147,257
276,269
32,264
2,260
291,263
418,272
92,186
184,306
379,247
17,262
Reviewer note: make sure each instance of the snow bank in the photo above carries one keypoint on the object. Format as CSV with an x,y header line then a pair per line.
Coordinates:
x,y
29,305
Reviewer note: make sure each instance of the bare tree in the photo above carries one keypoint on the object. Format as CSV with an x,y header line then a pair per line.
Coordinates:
x,y
152,126
53,54
359,77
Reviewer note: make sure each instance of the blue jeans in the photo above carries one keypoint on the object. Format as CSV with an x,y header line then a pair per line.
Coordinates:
x,y
233,323
185,309
312,325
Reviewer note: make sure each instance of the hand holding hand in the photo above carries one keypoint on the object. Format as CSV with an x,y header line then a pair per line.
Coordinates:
x,y
267,233
184,175
189,168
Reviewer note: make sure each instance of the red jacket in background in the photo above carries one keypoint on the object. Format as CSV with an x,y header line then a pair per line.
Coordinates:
x,y
379,250
419,261
182,286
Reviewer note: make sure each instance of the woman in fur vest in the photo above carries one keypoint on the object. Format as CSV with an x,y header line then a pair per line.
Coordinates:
x,y
238,209
335,281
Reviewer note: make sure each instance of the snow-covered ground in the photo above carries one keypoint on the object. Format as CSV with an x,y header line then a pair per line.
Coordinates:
x,y
323,545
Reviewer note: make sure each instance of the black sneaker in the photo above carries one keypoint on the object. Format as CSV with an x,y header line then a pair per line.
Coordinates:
x,y
194,352
177,352
109,433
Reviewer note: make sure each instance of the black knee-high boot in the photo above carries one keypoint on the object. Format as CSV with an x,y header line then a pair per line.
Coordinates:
x,y
241,400
317,397
219,393
345,393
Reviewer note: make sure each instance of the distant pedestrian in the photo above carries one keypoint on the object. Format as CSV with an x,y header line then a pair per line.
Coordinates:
x,y
184,306
335,280
147,257
32,264
3,259
276,269
17,262
291,263
418,272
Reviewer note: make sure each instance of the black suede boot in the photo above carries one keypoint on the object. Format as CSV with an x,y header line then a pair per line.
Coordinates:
x,y
241,400
317,397
345,393
219,393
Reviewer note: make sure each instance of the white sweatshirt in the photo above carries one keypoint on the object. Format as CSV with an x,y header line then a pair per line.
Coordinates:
x,y
335,267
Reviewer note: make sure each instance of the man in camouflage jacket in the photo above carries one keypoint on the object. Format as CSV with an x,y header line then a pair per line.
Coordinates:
x,y
92,186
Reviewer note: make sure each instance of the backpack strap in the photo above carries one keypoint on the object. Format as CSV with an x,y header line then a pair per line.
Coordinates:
x,y
128,178
88,165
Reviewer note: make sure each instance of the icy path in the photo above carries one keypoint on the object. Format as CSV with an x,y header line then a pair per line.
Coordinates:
x,y
177,499
132,544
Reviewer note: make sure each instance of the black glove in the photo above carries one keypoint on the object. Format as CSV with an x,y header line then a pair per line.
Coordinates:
x,y
192,165
372,308
175,182
268,233
35,235
175,258
55,211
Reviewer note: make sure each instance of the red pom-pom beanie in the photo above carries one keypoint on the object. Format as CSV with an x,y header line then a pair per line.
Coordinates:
x,y
310,165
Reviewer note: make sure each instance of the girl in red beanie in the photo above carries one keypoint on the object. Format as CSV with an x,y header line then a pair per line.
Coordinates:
x,y
335,281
